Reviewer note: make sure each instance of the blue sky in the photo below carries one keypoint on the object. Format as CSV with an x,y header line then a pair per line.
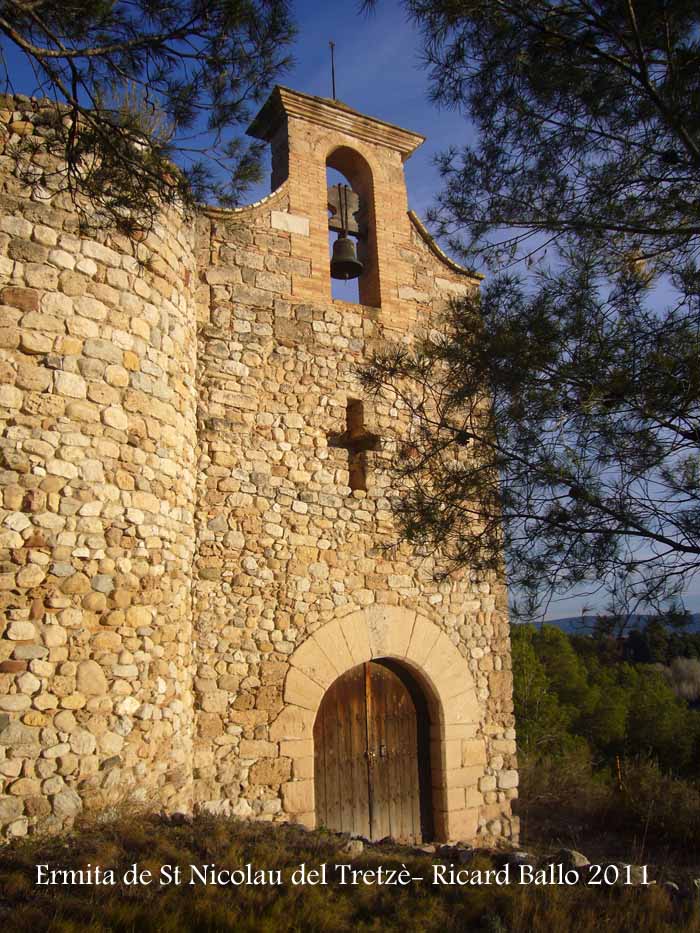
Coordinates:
x,y
378,72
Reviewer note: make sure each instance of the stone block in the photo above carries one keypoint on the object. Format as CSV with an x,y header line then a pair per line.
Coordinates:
x,y
303,768
462,709
332,642
453,680
115,417
462,825
423,638
26,299
297,748
408,293
473,752
10,397
292,723
21,631
507,780
312,661
389,630
291,223
298,796
16,735
25,787
443,657
209,725
356,637
301,690
10,809
464,777
90,679
15,702
257,748
271,771
69,385
67,804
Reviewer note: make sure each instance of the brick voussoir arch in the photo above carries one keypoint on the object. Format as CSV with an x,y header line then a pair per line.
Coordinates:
x,y
458,756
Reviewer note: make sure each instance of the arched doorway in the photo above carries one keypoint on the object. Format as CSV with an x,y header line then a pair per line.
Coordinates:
x,y
372,754
445,685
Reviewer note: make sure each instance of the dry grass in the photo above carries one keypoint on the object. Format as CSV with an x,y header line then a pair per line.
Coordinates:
x,y
151,842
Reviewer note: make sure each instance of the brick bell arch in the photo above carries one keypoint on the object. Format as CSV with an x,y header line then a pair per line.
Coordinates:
x,y
457,752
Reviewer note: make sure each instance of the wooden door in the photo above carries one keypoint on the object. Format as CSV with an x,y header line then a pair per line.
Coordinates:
x,y
370,774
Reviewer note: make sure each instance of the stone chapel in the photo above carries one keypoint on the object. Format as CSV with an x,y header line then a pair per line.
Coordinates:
x,y
197,607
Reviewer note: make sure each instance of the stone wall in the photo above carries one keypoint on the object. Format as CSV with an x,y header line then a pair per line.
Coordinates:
x,y
285,546
97,456
184,567
286,549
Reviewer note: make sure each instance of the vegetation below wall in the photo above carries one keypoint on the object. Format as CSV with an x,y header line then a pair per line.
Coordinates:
x,y
609,766
609,745
152,842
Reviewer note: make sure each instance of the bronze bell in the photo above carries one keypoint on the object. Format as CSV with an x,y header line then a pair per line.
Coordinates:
x,y
344,262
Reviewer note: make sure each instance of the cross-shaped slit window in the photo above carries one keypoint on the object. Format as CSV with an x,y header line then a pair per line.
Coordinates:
x,y
357,440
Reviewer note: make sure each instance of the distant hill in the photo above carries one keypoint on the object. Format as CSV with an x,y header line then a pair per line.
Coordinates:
x,y
583,625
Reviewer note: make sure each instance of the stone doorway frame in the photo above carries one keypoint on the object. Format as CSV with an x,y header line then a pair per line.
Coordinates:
x,y
457,749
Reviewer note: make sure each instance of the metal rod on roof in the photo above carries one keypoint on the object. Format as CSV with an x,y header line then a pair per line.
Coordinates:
x,y
332,45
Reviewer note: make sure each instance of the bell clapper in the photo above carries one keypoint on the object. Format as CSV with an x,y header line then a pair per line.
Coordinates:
x,y
344,262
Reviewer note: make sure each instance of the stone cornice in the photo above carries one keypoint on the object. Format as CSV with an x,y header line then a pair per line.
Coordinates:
x,y
441,255
333,114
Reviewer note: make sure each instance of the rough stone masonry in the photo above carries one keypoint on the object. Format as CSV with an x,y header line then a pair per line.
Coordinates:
x,y
184,566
